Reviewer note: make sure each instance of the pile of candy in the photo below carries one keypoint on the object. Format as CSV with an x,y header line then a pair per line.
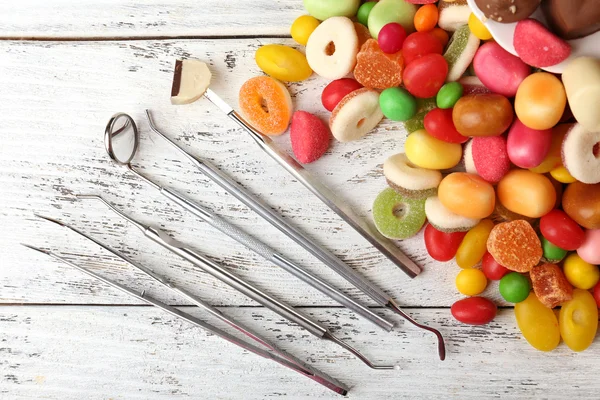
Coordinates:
x,y
502,161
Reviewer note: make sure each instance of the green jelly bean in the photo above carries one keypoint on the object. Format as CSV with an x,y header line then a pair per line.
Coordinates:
x,y
514,287
423,107
387,11
364,11
397,104
449,95
552,253
323,9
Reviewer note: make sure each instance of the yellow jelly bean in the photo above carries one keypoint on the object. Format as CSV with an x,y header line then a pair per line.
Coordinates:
x,y
471,282
537,323
578,320
283,63
579,273
553,159
303,27
478,29
425,151
562,175
474,244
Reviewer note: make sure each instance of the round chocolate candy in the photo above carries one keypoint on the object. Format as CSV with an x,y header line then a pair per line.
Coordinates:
x,y
507,11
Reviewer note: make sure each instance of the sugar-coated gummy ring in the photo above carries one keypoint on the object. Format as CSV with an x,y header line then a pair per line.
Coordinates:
x,y
445,220
410,180
581,154
266,104
355,115
396,216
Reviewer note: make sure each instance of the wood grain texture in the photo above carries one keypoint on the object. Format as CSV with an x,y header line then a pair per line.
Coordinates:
x,y
140,353
58,97
149,18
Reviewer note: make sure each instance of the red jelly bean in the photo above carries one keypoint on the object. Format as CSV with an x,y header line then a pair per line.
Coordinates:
x,y
442,246
491,268
596,293
527,147
426,75
337,90
474,310
438,123
560,230
419,44
391,38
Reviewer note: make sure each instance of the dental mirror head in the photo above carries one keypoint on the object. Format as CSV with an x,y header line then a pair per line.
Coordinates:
x,y
121,138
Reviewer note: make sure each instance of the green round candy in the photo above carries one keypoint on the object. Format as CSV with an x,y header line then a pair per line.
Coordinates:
x,y
449,95
552,253
397,216
323,9
397,104
387,11
514,287
364,11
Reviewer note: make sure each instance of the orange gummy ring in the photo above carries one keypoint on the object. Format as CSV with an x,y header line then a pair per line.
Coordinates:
x,y
266,104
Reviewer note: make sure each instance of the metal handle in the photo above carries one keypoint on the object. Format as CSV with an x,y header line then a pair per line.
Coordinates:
x,y
235,282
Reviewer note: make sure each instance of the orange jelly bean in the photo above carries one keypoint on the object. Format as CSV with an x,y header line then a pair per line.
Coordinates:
x,y
540,101
426,18
467,195
482,115
441,35
526,193
266,104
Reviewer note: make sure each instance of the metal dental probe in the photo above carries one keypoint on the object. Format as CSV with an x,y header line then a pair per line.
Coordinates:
x,y
380,242
231,230
217,271
258,206
288,361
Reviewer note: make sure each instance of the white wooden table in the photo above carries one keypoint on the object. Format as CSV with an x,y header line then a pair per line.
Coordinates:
x,y
65,67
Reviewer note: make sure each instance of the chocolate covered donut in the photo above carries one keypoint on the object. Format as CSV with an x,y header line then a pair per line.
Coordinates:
x,y
507,11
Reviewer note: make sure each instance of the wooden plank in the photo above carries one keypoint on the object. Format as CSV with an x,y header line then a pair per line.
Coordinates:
x,y
138,352
57,97
147,18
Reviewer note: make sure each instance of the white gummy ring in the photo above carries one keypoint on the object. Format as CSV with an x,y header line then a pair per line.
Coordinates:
x,y
578,154
355,115
401,172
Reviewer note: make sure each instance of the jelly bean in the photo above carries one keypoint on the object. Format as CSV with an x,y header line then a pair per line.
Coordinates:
x,y
561,230
438,123
492,269
363,12
526,193
302,28
283,63
514,287
527,147
425,151
589,251
337,90
478,29
579,273
386,11
449,95
562,175
552,253
417,122
391,37
499,70
425,76
482,115
473,246
578,320
540,101
537,323
596,294
426,18
580,202
474,311
553,158
467,195
397,104
471,282
441,35
442,246
323,9
419,44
